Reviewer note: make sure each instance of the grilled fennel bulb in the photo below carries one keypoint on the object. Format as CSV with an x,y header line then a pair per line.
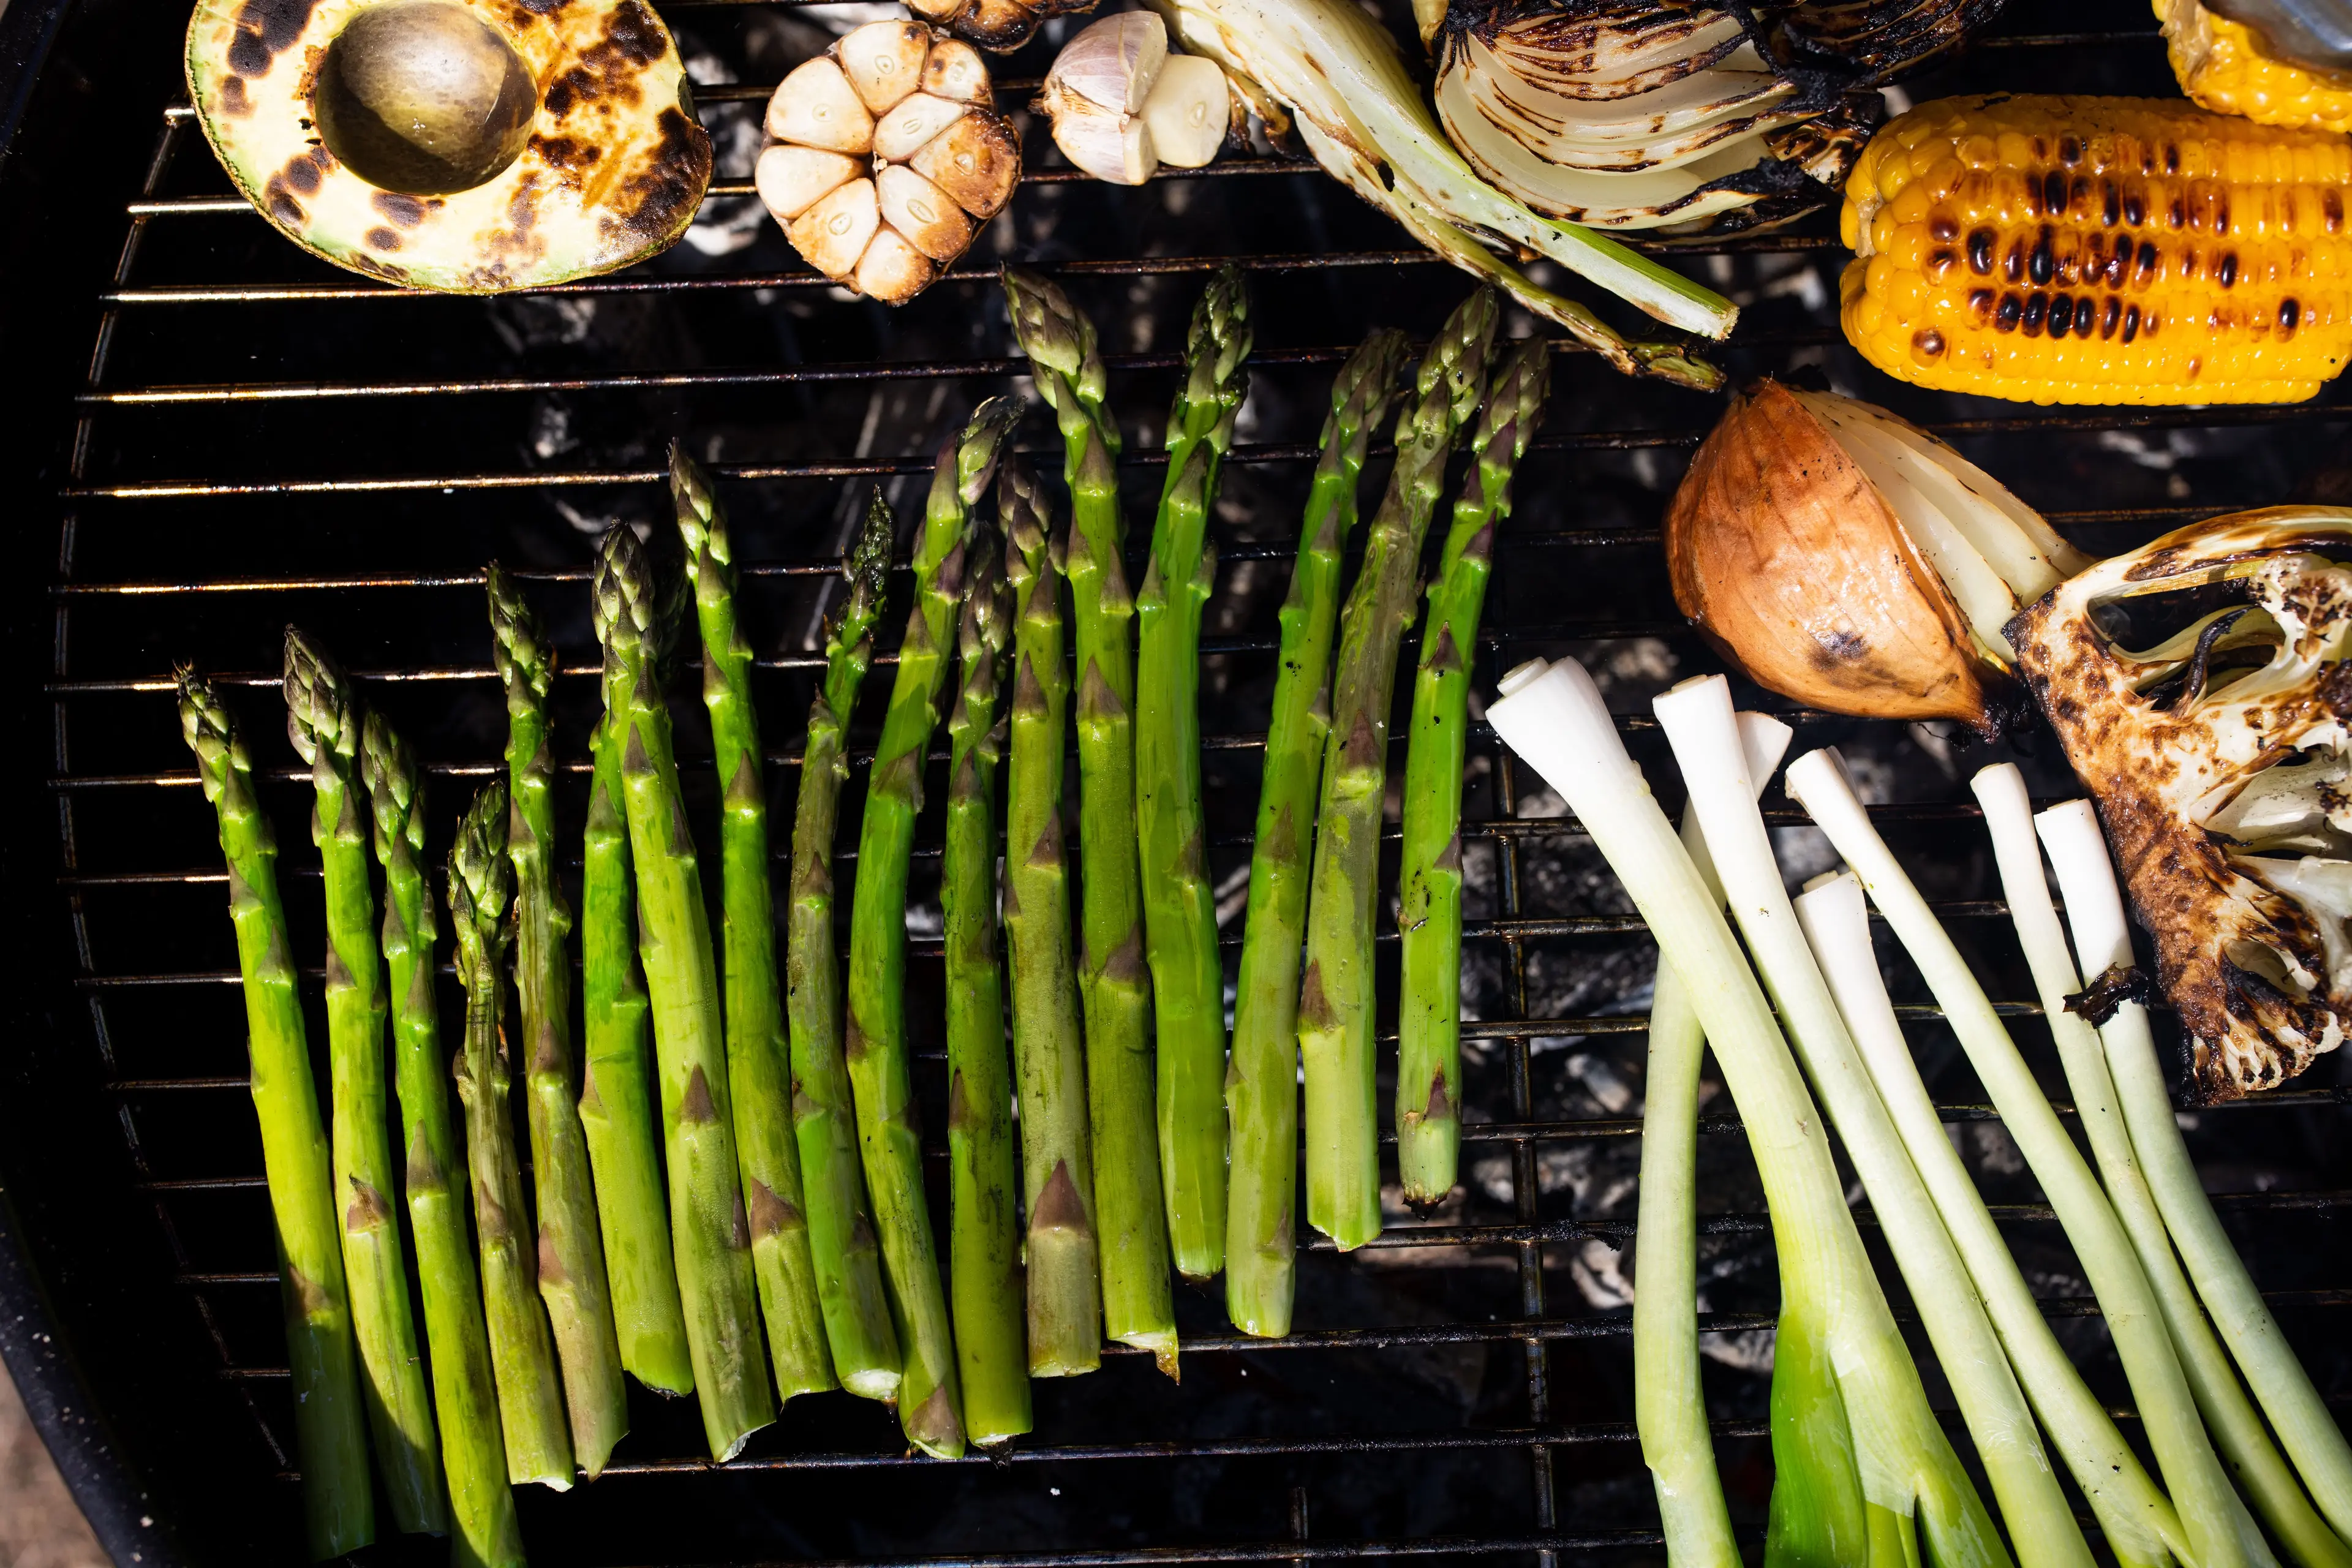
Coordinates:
x,y
2200,686
1357,108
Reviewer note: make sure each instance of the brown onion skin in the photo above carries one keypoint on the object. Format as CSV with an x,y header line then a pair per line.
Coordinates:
x,y
1789,562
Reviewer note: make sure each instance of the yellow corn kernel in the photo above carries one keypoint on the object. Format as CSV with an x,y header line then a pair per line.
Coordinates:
x,y
2111,251
2220,64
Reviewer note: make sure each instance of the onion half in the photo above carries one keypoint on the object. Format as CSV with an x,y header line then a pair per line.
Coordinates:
x,y
1845,558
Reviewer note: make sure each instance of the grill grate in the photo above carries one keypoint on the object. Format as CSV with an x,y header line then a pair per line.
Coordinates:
x,y
259,438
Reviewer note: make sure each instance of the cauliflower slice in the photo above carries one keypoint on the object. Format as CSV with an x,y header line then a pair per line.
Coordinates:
x,y
2220,758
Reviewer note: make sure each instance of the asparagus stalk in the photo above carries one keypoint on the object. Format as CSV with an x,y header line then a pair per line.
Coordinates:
x,y
522,1354
1335,994
984,1281
711,1236
1262,1092
616,1107
1179,907
930,1407
1429,909
322,718
465,1390
841,1243
330,1428
1114,986
570,1249
1048,1051
758,1070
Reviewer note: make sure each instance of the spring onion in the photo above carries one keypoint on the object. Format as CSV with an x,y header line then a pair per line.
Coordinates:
x,y
1669,1405
1860,1456
2237,1428
1696,717
2209,1512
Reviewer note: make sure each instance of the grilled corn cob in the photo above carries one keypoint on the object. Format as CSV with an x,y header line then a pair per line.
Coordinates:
x,y
2221,64
2100,251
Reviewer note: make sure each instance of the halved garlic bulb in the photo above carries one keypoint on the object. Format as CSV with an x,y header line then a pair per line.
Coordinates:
x,y
885,156
1121,105
1845,558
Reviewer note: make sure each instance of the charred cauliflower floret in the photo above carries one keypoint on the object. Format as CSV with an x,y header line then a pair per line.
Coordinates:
x,y
2201,688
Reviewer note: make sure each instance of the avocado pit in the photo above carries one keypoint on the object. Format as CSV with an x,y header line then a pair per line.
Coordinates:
x,y
422,97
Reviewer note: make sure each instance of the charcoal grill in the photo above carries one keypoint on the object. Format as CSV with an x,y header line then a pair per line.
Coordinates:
x,y
214,435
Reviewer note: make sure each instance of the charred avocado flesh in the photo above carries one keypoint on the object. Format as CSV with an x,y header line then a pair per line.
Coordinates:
x,y
467,145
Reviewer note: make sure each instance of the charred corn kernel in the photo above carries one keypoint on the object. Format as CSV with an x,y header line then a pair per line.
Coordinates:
x,y
2102,250
2220,64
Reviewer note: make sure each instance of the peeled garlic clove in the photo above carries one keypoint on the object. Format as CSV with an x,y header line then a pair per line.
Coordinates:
x,y
791,179
1112,63
1189,112
923,212
892,270
816,107
883,61
832,234
1794,563
977,162
1112,147
900,133
955,70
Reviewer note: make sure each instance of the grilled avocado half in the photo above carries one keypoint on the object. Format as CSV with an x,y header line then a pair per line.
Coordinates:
x,y
471,146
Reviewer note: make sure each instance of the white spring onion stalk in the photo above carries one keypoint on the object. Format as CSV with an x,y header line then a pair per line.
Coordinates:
x,y
1862,1467
1669,1405
1696,717
2209,1512
2095,912
1365,118
2138,1522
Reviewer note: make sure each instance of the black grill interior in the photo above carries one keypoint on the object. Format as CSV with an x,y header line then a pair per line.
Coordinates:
x,y
223,435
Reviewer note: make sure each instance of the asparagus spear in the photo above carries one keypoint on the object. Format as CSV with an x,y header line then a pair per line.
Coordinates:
x,y
984,1281
841,1243
759,1072
1048,1052
1429,909
570,1249
881,1080
1262,1092
1180,907
465,1391
522,1355
1138,1306
330,1430
711,1235
616,1107
1335,994
322,718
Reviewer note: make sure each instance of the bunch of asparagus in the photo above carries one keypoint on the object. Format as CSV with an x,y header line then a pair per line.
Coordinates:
x,y
794,1251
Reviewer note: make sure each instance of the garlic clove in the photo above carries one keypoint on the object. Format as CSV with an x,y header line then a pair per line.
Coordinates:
x,y
883,61
918,119
922,212
892,270
832,234
955,70
1116,148
1189,112
998,24
791,179
816,107
1114,62
977,162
